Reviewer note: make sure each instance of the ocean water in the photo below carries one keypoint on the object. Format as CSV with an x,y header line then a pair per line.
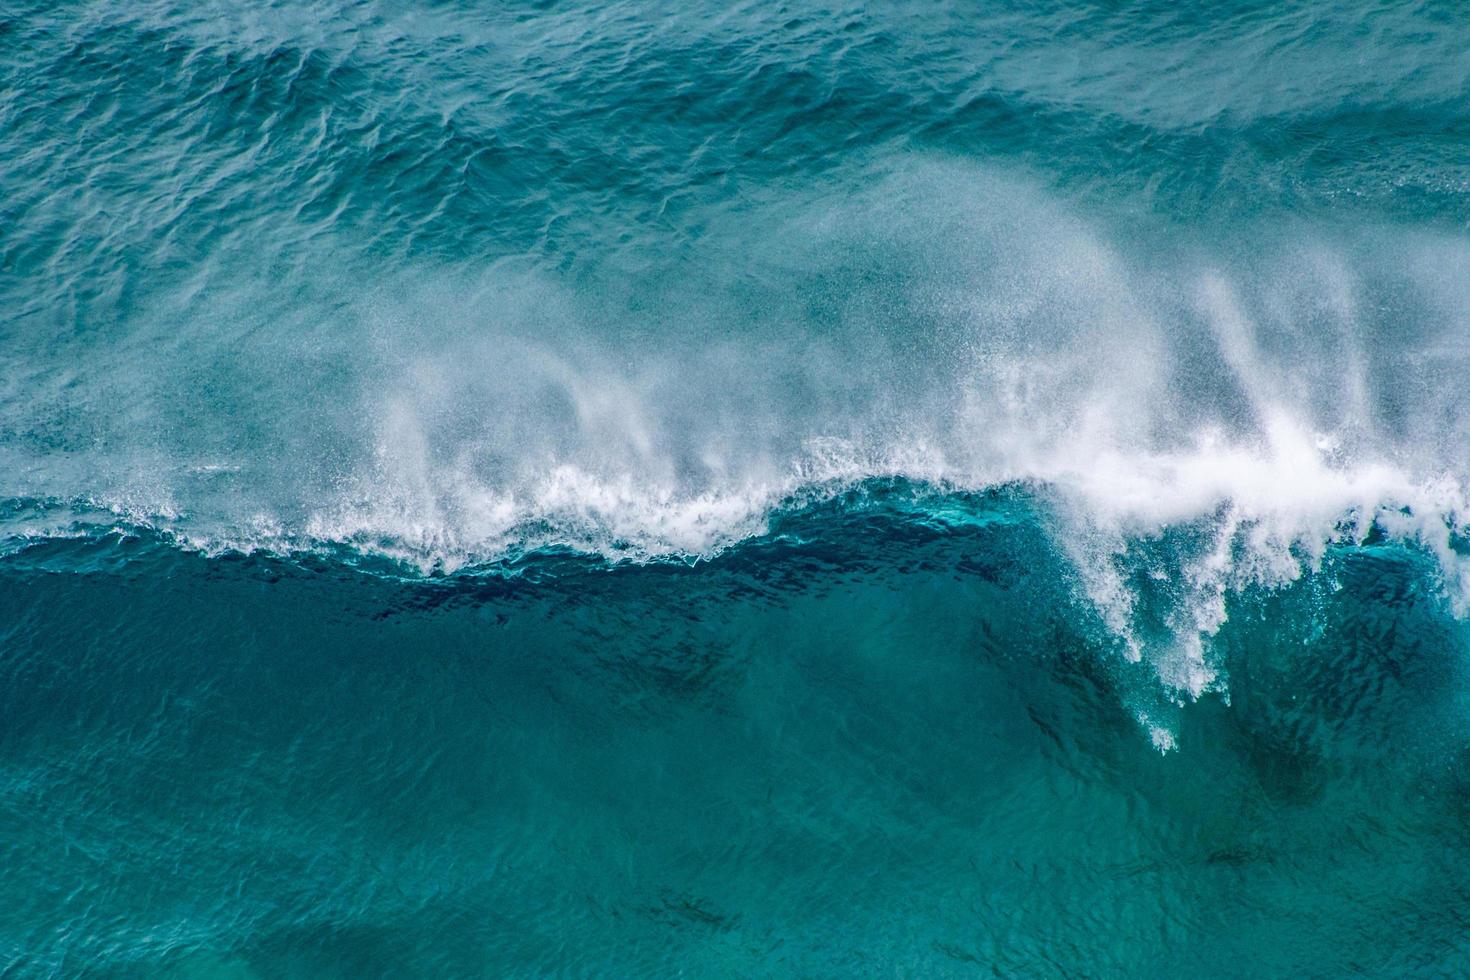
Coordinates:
x,y
758,489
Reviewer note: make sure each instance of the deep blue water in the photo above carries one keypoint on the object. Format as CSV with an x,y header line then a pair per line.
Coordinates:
x,y
641,489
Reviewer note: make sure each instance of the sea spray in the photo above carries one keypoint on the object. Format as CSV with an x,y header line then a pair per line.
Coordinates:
x,y
649,489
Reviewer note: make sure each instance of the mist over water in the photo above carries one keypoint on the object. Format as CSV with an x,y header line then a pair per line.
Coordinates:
x,y
646,489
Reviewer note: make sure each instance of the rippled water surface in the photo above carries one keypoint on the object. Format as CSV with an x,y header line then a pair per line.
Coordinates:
x,y
648,489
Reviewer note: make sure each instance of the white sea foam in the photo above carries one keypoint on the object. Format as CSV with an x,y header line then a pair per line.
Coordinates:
x,y
940,322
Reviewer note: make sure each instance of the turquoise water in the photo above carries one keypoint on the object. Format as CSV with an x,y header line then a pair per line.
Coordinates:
x,y
774,489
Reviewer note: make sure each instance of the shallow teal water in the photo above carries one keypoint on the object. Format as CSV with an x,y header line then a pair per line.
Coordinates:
x,y
648,490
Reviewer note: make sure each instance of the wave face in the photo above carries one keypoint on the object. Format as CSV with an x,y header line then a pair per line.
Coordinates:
x,y
775,489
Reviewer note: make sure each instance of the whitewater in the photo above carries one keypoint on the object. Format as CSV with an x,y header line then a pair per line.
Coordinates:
x,y
639,489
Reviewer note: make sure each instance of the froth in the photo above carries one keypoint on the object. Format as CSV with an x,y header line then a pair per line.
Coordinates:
x,y
949,324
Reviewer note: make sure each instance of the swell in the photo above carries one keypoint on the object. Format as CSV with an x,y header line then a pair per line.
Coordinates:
x,y
633,488
430,283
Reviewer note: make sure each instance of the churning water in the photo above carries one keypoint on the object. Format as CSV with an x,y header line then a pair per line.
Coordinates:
x,y
721,490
